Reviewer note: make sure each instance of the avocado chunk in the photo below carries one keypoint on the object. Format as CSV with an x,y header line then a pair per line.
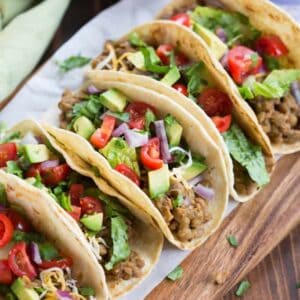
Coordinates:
x,y
214,43
171,77
36,153
84,127
93,222
117,151
173,130
22,292
114,100
159,181
137,58
194,170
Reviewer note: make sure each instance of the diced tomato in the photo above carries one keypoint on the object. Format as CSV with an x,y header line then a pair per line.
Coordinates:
x,y
222,123
6,230
6,276
54,176
7,152
36,169
19,261
90,205
163,52
182,19
181,88
181,59
75,213
150,154
101,136
59,263
137,112
243,62
76,191
215,103
19,222
126,171
271,45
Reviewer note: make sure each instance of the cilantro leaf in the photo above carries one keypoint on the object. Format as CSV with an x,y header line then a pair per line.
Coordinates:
x,y
177,202
242,289
48,251
73,62
12,167
150,65
232,241
176,273
123,116
246,154
119,236
135,40
86,291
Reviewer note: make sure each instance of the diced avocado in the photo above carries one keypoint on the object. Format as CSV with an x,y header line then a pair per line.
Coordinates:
x,y
159,181
22,292
93,222
114,100
36,153
84,127
137,59
174,131
171,77
214,43
194,170
117,151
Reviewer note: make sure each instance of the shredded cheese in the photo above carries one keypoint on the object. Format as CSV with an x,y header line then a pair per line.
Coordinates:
x,y
52,279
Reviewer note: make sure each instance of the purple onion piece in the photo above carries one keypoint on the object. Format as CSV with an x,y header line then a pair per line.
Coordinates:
x,y
221,34
224,61
92,90
295,90
204,192
195,180
120,130
35,253
63,295
135,139
3,208
162,135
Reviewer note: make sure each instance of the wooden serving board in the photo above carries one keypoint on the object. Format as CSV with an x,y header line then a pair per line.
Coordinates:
x,y
258,225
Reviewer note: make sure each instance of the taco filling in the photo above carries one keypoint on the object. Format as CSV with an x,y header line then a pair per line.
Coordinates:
x,y
257,62
169,65
108,226
149,150
30,266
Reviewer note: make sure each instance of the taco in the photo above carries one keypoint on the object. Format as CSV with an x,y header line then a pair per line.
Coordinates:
x,y
258,45
120,238
183,70
146,147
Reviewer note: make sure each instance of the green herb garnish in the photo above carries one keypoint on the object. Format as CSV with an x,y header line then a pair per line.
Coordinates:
x,y
48,251
27,236
232,241
177,202
176,273
242,289
12,167
73,62
86,291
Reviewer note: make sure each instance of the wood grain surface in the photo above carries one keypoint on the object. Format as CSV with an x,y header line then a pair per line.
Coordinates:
x,y
273,278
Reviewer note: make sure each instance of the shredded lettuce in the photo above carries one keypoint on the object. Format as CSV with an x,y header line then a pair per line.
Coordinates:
x,y
12,167
276,84
246,154
236,26
150,65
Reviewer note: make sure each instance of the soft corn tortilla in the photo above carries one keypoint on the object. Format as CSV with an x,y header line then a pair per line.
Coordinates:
x,y
202,145
162,32
268,18
148,242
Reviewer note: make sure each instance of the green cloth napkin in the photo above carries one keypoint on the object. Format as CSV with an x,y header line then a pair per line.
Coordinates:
x,y
24,40
11,8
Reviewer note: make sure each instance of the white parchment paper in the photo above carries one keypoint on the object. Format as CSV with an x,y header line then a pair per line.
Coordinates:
x,y
38,98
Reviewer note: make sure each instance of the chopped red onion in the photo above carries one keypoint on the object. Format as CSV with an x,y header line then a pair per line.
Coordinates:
x,y
195,180
162,135
221,34
92,90
187,201
295,90
120,130
63,295
35,253
29,138
136,139
48,164
204,192
224,61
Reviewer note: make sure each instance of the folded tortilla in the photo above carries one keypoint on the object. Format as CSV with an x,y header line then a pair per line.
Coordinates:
x,y
266,17
43,209
193,47
203,146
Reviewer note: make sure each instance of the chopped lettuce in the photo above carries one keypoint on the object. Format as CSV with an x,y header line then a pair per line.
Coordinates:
x,y
135,40
48,251
120,249
117,151
246,154
152,65
27,236
149,118
178,201
12,167
236,26
123,116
